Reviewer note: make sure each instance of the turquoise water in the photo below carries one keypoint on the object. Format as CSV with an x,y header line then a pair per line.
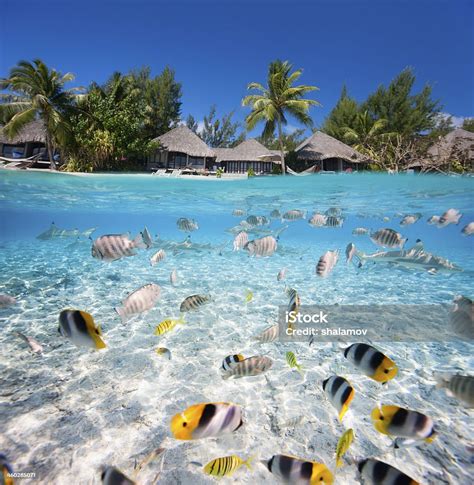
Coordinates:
x,y
72,410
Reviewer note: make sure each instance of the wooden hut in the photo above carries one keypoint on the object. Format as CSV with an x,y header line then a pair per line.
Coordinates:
x,y
30,141
329,154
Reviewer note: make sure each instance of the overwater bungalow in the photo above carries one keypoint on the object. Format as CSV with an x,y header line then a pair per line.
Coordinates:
x,y
30,141
327,154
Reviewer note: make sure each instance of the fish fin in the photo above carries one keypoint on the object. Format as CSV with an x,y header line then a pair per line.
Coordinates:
x,y
99,343
122,314
138,241
181,319
226,375
338,462
248,462
441,380
343,411
299,367
430,438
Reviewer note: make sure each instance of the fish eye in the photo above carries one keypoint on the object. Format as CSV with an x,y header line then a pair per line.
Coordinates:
x,y
185,424
386,371
381,418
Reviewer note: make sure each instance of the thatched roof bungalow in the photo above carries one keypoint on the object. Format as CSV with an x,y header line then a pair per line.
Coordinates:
x,y
31,140
180,148
329,153
250,154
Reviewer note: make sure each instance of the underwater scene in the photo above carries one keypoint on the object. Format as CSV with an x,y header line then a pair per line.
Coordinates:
x,y
142,330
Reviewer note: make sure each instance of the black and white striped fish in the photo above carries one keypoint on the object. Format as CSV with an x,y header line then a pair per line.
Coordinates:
x,y
139,301
360,231
275,214
270,334
333,221
293,215
294,301
296,471
262,247
317,220
238,212
334,212
147,239
388,238
379,473
113,247
350,252
461,387
194,302
468,229
252,366
231,360
326,263
340,393
187,225
157,257
240,240
410,219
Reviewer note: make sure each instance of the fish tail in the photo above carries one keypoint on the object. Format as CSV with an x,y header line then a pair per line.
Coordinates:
x,y
122,314
226,375
248,462
181,319
338,462
138,241
441,380
299,367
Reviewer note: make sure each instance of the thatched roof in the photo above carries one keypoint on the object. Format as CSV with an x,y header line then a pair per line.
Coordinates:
x,y
455,141
32,132
182,139
320,146
248,151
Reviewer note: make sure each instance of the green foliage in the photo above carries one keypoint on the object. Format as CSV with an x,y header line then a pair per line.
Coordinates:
x,y
219,172
220,133
468,124
36,91
191,123
276,170
250,172
342,115
406,113
277,100
290,140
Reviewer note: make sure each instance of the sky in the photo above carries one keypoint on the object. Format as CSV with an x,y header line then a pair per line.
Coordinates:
x,y
217,47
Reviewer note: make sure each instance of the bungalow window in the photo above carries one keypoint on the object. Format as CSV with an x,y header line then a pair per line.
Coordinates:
x,y
13,151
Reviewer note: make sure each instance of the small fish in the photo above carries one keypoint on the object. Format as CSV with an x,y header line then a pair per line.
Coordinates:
x,y
164,352
275,214
113,476
270,334
206,420
317,220
326,263
403,423
433,220
139,301
248,296
34,345
350,252
468,229
385,218
292,422
461,387
147,239
238,212
187,225
461,317
5,471
451,216
292,362
388,238
168,325
340,393
173,277
292,470
79,327
281,274
410,219
371,362
334,212
333,222
264,246
294,302
360,231
226,466
343,445
252,366
113,247
6,300
194,302
240,240
380,473
231,360
293,215
157,257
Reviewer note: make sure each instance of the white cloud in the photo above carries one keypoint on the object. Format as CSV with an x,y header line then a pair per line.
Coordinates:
x,y
457,120
289,129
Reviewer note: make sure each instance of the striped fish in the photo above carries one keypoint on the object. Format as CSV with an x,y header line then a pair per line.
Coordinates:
x,y
226,466
206,420
194,302
270,334
433,220
275,214
451,216
147,239
292,422
326,263
173,277
333,212
296,471
340,393
238,212
253,366
257,221
139,301
264,246
388,238
462,387
333,222
292,362
350,252
410,219
317,220
164,352
461,317
231,360
402,423
360,231
79,327
343,445
468,229
380,473
293,215
240,240
34,345
113,247
294,302
371,362
168,325
187,225
281,274
157,257
113,476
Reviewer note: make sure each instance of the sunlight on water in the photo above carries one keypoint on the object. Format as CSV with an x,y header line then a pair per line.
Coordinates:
x,y
71,410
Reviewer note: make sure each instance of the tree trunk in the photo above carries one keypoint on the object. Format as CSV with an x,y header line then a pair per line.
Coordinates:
x,y
282,148
52,163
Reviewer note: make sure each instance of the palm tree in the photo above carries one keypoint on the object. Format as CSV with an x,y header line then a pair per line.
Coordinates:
x,y
277,100
37,92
